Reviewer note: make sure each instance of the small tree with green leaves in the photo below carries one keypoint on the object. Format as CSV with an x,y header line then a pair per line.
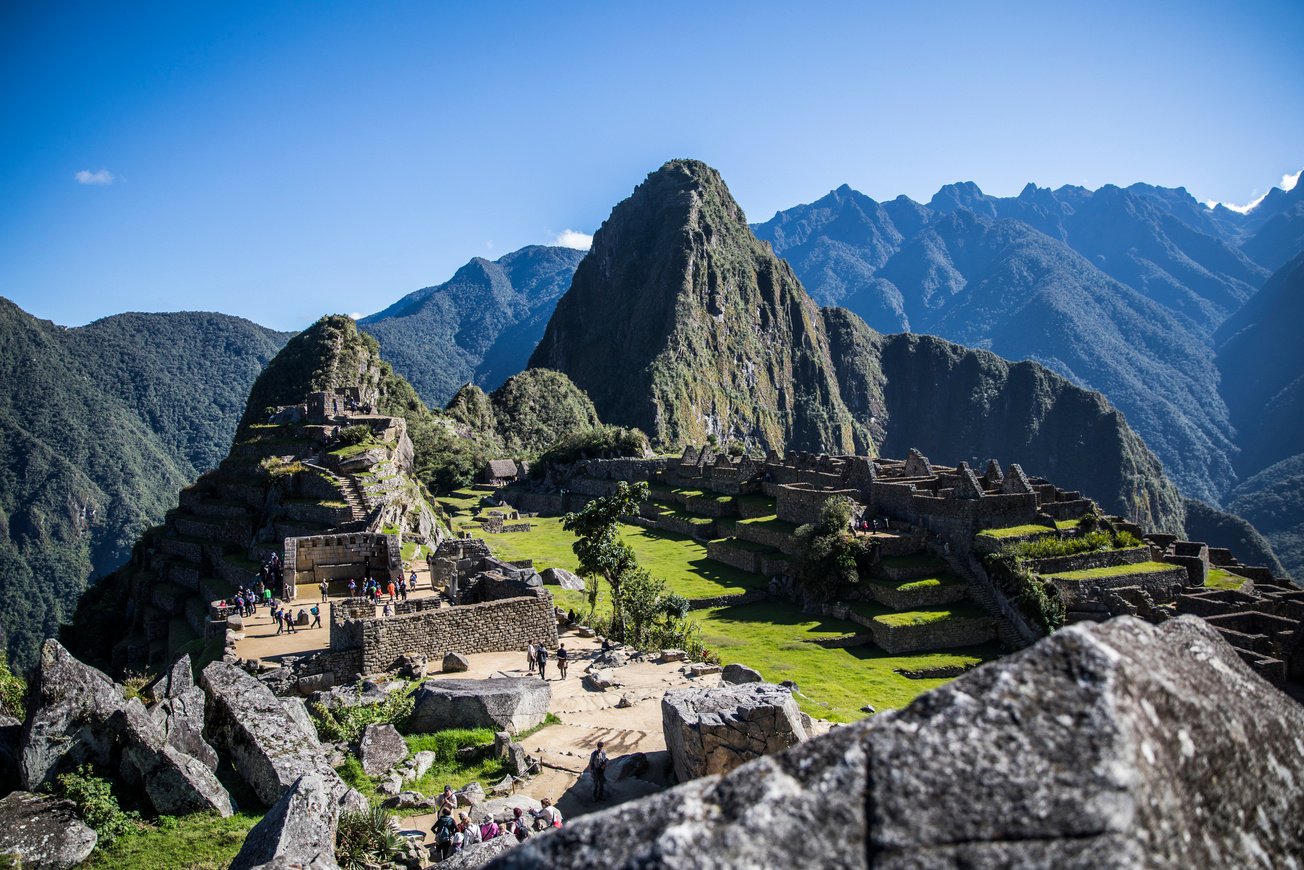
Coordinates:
x,y
598,546
642,600
830,553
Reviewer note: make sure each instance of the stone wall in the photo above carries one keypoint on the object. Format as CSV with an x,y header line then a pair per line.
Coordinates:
x,y
496,626
948,634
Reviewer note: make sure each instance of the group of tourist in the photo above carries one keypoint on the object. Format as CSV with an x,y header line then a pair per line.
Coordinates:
x,y
286,619
536,659
245,601
374,591
453,835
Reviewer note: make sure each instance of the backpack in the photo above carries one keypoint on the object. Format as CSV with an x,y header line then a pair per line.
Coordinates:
x,y
444,830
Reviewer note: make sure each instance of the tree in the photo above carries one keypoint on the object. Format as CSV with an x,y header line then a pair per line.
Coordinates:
x,y
642,599
830,553
598,545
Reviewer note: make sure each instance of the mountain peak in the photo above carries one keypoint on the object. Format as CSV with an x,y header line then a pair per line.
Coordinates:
x,y
682,323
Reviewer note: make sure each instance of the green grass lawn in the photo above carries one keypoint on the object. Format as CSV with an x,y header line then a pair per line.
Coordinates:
x,y
676,559
946,578
462,502
782,643
772,522
1113,571
1065,525
1020,531
1220,578
198,842
931,615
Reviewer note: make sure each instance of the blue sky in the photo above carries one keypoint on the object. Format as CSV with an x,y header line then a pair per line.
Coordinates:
x,y
281,161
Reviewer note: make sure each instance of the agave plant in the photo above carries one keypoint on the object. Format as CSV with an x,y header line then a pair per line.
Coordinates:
x,y
367,837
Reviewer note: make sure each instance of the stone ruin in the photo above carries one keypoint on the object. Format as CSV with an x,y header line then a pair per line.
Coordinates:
x,y
337,558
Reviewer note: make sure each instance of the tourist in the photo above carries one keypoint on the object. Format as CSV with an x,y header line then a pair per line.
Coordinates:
x,y
470,831
489,829
388,611
563,659
267,596
289,620
519,826
316,617
391,589
402,589
412,581
541,652
280,621
353,588
598,770
530,653
606,645
444,830
447,800
549,816
325,590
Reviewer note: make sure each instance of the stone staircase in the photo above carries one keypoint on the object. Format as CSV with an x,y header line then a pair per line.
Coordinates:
x,y
351,492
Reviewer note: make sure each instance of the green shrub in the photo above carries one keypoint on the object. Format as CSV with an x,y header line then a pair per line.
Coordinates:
x,y
600,442
96,804
366,838
347,723
353,435
13,690
830,555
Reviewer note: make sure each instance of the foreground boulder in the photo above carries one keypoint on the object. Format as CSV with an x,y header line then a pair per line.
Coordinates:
x,y
180,712
379,748
1114,745
265,744
713,730
72,704
177,784
512,704
298,831
43,832
456,663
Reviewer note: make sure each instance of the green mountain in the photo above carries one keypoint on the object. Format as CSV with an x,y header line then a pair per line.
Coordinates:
x,y
681,322
99,427
1261,362
479,326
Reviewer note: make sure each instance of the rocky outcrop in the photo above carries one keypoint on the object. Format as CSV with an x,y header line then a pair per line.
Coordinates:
x,y
739,674
68,725
512,704
179,711
380,748
43,833
455,663
297,832
1105,745
177,784
713,730
562,578
265,744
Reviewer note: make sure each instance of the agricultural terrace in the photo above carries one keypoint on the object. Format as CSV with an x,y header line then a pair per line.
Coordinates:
x,y
836,669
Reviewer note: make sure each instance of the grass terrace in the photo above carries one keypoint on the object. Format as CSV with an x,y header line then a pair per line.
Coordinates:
x,y
1220,578
783,643
1024,531
771,522
1113,571
945,578
197,842
930,616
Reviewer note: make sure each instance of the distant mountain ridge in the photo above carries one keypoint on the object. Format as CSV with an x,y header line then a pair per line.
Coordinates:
x,y
1118,289
486,320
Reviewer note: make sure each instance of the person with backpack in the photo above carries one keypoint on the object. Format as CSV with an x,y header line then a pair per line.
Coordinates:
x,y
280,622
470,831
316,617
444,830
541,653
548,816
563,659
598,770
325,590
519,826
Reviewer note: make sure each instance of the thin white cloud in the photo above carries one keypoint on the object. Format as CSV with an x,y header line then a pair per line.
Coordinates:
x,y
573,239
1288,183
102,177
356,315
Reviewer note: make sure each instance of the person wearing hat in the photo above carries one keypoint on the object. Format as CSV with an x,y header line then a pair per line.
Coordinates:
x,y
470,830
598,770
